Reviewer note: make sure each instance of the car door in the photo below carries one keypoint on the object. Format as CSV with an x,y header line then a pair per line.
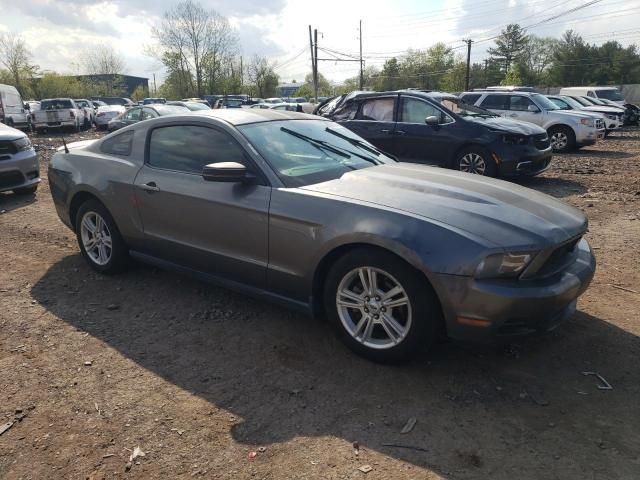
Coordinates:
x,y
217,228
418,142
522,108
375,121
498,104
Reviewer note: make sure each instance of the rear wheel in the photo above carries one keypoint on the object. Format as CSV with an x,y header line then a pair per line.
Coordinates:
x,y
381,307
562,139
99,238
476,160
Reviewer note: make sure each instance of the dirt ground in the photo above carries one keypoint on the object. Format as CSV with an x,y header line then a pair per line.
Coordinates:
x,y
199,378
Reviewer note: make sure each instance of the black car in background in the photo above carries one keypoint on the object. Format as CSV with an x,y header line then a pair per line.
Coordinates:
x,y
438,128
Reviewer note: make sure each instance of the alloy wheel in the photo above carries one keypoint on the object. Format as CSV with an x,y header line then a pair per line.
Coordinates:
x,y
374,307
473,163
96,238
559,140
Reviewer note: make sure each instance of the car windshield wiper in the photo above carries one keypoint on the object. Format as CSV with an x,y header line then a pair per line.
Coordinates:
x,y
354,141
329,146
317,143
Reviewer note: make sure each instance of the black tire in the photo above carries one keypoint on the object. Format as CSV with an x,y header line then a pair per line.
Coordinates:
x,y
606,133
10,123
477,160
26,190
87,123
563,139
424,317
117,260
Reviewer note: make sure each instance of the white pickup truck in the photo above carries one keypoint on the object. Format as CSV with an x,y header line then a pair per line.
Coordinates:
x,y
58,113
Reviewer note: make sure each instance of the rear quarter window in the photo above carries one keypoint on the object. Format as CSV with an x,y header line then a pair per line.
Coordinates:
x,y
471,99
118,145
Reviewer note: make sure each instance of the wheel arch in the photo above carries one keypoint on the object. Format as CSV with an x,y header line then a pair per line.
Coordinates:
x,y
77,200
324,265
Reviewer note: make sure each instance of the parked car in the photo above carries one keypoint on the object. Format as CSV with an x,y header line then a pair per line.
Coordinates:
x,y
609,93
610,116
568,130
12,108
126,102
196,100
58,113
289,107
261,105
274,100
19,170
98,103
149,101
228,102
32,105
89,112
505,88
193,106
598,102
106,113
396,254
137,114
438,128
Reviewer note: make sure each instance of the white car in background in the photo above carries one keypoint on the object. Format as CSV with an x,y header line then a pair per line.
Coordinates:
x,y
106,113
58,113
612,116
606,93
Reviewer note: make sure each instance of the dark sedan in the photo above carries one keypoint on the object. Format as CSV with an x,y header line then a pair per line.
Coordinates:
x,y
438,128
297,209
146,112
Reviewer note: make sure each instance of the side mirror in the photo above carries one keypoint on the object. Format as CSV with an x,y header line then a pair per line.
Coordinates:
x,y
432,120
533,108
232,172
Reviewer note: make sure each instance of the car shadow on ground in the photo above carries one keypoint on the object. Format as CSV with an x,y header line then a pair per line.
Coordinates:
x,y
557,187
482,412
9,201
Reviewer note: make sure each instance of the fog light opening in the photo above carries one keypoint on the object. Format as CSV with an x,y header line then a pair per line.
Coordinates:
x,y
474,322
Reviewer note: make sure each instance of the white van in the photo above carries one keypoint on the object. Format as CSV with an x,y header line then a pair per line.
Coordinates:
x,y
12,111
607,93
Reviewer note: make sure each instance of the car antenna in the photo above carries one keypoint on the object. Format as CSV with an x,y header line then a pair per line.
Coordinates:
x,y
66,149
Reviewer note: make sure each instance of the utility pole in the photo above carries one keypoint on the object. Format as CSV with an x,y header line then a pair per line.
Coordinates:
x,y
241,75
466,83
361,64
315,56
155,89
314,63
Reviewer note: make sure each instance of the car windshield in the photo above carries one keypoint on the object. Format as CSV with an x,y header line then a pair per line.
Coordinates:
x,y
572,103
544,102
330,105
55,104
458,106
304,152
612,94
582,101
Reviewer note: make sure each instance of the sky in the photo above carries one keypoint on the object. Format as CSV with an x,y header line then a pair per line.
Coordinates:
x,y
57,30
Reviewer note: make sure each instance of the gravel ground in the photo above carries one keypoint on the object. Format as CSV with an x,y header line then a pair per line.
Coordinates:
x,y
210,384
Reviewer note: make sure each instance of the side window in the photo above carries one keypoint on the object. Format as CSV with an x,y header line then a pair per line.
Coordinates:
x,y
188,148
561,103
471,99
591,94
147,114
118,144
133,114
377,109
416,111
346,112
496,102
519,103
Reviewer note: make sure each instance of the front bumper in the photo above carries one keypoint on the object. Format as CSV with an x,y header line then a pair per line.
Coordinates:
x,y
528,163
490,310
19,171
586,136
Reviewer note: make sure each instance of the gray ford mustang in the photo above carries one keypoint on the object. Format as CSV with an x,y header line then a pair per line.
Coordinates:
x,y
300,210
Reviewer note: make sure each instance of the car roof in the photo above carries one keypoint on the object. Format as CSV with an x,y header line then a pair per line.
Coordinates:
x,y
243,116
501,92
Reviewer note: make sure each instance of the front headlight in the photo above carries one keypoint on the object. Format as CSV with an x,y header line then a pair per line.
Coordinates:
x,y
589,122
514,139
22,144
504,265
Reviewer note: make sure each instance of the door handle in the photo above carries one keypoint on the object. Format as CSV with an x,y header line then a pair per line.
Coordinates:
x,y
385,130
150,187
400,132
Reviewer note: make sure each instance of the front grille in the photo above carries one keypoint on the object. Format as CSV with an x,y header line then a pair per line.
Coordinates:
x,y
541,141
11,179
7,147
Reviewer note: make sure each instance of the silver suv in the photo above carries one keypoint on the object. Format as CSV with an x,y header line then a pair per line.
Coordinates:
x,y
567,130
18,162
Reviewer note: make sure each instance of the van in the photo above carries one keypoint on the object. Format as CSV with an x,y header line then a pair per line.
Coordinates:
x,y
12,111
606,93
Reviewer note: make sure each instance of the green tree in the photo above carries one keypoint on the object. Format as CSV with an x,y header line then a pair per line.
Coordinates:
x,y
140,93
510,45
513,76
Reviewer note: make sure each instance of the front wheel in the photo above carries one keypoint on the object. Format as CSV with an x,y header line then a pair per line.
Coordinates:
x,y
382,308
476,160
99,238
563,139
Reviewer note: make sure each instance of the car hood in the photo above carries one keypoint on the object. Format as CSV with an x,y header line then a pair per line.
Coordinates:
x,y
507,125
501,213
10,133
571,113
604,109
